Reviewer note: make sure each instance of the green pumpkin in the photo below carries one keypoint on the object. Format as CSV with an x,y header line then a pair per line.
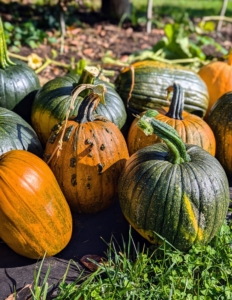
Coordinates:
x,y
220,120
17,134
172,189
147,88
53,101
19,83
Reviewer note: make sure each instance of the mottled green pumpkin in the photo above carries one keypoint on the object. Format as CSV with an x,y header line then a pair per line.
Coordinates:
x,y
16,133
220,120
172,189
18,82
143,86
53,101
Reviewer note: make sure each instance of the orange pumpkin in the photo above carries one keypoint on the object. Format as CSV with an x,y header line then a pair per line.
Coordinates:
x,y
35,217
93,154
192,129
217,76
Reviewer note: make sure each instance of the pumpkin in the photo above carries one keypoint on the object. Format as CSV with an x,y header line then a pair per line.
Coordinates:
x,y
53,99
143,86
35,217
19,83
217,77
220,120
15,133
172,190
191,128
92,154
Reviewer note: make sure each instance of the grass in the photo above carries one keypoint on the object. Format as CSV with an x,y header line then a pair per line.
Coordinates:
x,y
162,273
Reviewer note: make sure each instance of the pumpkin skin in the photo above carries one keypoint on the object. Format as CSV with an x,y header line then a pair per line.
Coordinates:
x,y
35,217
93,154
53,99
217,77
19,82
191,128
15,133
151,80
220,120
185,203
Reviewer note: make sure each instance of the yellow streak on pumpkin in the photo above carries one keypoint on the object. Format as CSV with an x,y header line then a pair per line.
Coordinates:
x,y
192,218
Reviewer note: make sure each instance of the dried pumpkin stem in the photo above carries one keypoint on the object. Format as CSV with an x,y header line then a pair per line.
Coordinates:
x,y
4,58
177,103
132,84
99,90
149,125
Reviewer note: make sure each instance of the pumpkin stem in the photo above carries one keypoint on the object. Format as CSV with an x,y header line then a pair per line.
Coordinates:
x,y
88,75
98,91
177,102
4,58
87,107
150,125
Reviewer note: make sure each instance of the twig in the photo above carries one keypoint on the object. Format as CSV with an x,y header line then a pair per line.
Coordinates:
x,y
222,14
149,15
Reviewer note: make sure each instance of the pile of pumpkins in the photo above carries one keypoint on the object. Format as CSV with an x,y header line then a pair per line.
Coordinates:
x,y
77,144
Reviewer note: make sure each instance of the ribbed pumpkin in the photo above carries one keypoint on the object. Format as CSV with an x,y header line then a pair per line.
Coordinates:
x,y
220,120
172,189
143,86
191,128
19,82
217,77
35,217
53,100
15,133
93,154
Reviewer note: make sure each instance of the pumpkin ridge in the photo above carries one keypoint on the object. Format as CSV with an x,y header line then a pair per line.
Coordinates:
x,y
96,137
202,200
8,183
134,193
217,209
129,188
160,218
19,233
169,207
192,198
22,220
182,171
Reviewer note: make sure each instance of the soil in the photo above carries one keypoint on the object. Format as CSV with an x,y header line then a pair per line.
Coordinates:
x,y
97,37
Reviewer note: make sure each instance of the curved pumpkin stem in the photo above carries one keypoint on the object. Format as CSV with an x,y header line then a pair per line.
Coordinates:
x,y
177,103
98,91
4,58
87,107
169,135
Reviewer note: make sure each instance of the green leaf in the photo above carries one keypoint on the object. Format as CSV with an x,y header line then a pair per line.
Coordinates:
x,y
196,51
8,26
169,31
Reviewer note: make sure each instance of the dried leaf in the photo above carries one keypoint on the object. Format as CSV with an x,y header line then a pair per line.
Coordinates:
x,y
23,294
89,264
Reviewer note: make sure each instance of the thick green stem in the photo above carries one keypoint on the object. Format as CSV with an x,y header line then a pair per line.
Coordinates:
x,y
177,103
88,76
4,58
150,125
